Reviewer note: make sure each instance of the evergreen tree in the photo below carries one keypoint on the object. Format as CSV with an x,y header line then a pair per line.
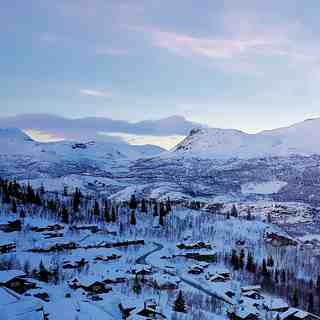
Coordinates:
x,y
107,215
270,262
276,276
310,303
22,214
250,262
241,259
96,209
14,206
133,220
113,214
295,298
136,286
65,215
133,202
143,206
168,205
155,210
179,304
161,219
76,200
234,211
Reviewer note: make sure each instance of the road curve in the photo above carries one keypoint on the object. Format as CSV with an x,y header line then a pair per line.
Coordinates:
x,y
191,283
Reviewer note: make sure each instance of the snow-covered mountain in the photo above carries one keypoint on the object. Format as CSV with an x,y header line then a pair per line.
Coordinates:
x,y
88,128
208,143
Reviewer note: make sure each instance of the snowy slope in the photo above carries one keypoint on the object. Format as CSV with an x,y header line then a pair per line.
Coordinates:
x,y
299,139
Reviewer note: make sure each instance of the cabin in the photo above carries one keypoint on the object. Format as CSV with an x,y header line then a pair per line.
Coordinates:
x,y
194,246
217,278
207,256
14,280
278,240
218,275
242,313
295,314
142,270
275,305
255,288
165,282
252,295
7,247
11,226
149,311
110,257
75,264
49,228
195,270
97,288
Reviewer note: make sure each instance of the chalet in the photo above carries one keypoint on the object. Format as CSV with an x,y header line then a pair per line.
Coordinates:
x,y
195,270
280,240
275,304
6,247
11,226
149,311
110,257
243,313
92,288
165,282
193,246
14,280
218,274
115,280
75,264
52,227
252,295
217,278
204,255
295,314
142,270
255,288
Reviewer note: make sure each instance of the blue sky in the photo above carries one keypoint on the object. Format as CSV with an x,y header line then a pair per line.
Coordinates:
x,y
251,65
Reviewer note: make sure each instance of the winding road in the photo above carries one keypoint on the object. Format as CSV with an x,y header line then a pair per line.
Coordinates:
x,y
191,283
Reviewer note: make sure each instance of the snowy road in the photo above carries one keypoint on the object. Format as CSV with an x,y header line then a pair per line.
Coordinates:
x,y
191,283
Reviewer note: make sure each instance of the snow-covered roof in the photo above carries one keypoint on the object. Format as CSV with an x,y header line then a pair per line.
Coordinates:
x,y
8,275
275,303
251,288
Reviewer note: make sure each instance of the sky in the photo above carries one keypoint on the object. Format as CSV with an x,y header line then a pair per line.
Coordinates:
x,y
250,65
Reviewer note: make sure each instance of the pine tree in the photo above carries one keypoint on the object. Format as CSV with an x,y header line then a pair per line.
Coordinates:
x,y
133,203
295,298
250,262
143,206
136,286
234,211
168,205
76,200
107,215
96,209
22,214
133,220
179,304
113,215
155,210
65,215
276,276
14,206
310,303
241,259
161,219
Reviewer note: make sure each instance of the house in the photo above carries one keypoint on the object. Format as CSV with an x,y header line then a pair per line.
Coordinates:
x,y
252,295
205,255
242,313
275,304
295,314
14,306
255,288
149,311
11,226
195,270
14,280
280,240
165,281
217,278
195,245
218,275
6,247
75,264
107,258
96,288
142,270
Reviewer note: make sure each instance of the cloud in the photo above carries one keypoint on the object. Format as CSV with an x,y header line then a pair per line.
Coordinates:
x,y
111,52
96,93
